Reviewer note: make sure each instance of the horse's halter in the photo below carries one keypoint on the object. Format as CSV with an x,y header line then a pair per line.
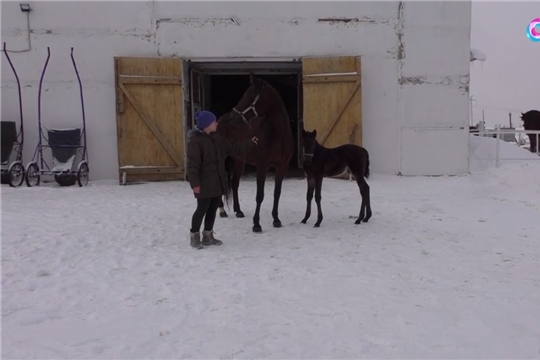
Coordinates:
x,y
250,107
311,154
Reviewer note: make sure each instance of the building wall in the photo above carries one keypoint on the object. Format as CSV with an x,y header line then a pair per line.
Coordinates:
x,y
415,65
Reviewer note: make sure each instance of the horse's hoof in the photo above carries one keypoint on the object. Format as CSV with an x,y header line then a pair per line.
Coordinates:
x,y
357,222
317,225
240,214
303,221
257,229
223,214
366,220
277,224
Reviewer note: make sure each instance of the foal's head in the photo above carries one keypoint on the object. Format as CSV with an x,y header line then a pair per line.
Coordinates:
x,y
309,140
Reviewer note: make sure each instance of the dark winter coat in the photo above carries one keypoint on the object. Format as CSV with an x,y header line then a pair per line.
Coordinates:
x,y
206,155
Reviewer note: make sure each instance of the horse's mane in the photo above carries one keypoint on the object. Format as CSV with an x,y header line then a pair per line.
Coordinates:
x,y
279,105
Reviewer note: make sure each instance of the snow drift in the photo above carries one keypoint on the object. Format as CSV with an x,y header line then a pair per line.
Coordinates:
x,y
447,267
514,177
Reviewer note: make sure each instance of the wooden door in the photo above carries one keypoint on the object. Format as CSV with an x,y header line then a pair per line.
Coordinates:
x,y
332,99
150,118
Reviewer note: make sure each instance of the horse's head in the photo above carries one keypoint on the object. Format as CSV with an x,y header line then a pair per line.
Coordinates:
x,y
531,120
309,141
252,104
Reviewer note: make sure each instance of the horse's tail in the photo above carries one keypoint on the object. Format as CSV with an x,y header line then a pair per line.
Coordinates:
x,y
229,168
366,170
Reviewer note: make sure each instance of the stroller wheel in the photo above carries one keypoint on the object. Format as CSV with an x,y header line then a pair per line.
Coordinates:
x,y
83,174
16,174
32,176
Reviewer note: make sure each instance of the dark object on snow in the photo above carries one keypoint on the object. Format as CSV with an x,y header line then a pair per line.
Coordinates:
x,y
531,121
321,162
262,113
9,137
64,143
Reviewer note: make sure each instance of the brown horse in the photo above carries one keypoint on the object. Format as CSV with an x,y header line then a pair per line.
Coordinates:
x,y
531,121
260,112
321,161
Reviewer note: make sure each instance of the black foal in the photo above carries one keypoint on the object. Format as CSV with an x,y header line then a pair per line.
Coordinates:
x,y
321,162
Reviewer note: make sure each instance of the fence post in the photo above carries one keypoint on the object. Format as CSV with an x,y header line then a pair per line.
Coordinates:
x,y
481,128
497,146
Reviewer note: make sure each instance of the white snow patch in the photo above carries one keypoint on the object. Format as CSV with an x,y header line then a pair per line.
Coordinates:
x,y
446,268
476,54
63,166
513,177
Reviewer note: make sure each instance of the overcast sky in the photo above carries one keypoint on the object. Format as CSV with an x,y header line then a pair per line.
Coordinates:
x,y
509,80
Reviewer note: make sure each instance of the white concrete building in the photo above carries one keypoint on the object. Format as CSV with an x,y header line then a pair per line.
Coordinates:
x,y
415,59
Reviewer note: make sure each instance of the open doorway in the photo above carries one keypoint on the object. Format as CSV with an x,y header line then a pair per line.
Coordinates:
x,y
219,90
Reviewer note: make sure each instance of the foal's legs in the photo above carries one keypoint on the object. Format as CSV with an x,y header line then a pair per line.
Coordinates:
x,y
280,174
318,197
365,207
309,197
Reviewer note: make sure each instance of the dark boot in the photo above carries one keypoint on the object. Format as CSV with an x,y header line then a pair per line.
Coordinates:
x,y
208,239
195,240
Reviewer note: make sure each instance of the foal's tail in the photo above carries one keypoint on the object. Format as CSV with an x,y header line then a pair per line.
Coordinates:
x,y
229,168
366,170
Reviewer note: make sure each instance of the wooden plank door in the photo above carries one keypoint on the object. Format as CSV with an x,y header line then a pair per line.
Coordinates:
x,y
150,118
333,99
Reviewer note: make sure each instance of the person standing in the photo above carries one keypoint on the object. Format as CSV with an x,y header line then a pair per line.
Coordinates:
x,y
206,153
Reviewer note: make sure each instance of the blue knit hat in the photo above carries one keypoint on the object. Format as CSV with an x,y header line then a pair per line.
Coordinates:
x,y
204,119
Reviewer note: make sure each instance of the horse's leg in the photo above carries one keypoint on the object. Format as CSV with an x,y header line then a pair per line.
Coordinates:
x,y
222,212
365,207
221,205
262,169
280,175
238,171
235,183
532,142
318,197
309,197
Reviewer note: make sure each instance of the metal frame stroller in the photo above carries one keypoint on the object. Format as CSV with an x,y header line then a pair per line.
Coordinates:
x,y
64,144
13,171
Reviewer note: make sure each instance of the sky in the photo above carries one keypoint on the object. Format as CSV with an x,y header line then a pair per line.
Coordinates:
x,y
508,81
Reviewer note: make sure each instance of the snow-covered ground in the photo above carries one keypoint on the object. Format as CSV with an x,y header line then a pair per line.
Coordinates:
x,y
448,267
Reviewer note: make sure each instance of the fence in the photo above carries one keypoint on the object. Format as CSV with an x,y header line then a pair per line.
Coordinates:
x,y
499,133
